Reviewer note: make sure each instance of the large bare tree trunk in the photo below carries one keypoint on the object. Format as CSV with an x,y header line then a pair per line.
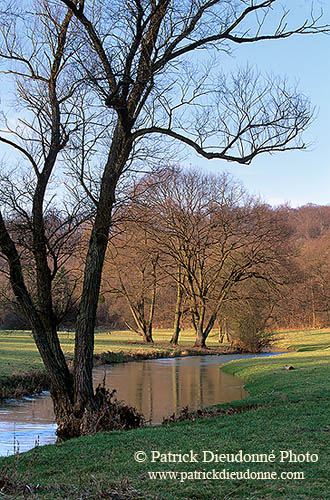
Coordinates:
x,y
200,338
84,343
46,340
148,334
71,393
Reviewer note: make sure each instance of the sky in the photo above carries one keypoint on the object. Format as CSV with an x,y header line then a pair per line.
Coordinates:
x,y
295,177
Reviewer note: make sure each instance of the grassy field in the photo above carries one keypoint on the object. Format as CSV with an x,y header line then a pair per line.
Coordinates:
x,y
286,410
304,340
18,352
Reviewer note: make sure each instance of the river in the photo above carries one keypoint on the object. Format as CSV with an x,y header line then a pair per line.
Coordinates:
x,y
156,388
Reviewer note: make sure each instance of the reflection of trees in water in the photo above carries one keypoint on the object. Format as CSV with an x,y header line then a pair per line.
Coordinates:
x,y
141,383
156,389
38,410
175,386
160,388
202,382
145,390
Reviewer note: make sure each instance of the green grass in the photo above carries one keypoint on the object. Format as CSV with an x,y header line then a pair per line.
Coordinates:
x,y
304,340
18,352
285,410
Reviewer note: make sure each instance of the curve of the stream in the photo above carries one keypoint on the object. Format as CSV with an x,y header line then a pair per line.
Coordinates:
x,y
156,388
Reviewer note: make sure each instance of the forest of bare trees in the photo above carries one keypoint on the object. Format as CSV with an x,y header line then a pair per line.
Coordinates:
x,y
296,293
289,279
194,251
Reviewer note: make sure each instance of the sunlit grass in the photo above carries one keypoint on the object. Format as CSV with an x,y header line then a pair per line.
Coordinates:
x,y
285,410
19,353
303,340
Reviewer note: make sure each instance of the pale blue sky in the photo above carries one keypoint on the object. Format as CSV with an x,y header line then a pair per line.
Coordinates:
x,y
296,177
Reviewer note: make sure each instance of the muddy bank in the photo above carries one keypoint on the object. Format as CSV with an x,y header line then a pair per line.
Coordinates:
x,y
124,357
24,385
34,382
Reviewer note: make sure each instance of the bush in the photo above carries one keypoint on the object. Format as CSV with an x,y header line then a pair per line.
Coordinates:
x,y
13,320
250,335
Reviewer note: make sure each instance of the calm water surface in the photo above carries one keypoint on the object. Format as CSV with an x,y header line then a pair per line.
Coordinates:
x,y
157,388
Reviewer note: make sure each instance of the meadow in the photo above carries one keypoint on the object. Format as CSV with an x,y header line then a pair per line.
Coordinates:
x,y
18,353
287,411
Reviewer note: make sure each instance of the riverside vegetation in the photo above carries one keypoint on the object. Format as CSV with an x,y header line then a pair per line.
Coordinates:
x,y
285,410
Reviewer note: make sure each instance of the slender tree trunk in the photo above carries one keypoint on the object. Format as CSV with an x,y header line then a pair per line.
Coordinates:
x,y
148,337
135,330
176,327
313,309
178,310
222,329
210,324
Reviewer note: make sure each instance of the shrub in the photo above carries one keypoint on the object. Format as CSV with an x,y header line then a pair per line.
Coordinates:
x,y
250,335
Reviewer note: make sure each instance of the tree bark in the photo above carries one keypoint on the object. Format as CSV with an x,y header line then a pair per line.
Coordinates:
x,y
149,338
147,335
84,342
178,310
200,338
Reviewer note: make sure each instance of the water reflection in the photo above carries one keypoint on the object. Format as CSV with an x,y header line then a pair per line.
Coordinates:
x,y
156,388
160,387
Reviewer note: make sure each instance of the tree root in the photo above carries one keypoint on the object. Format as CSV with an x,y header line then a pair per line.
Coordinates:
x,y
108,414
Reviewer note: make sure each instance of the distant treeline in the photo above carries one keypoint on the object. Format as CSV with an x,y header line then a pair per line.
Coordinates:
x,y
189,250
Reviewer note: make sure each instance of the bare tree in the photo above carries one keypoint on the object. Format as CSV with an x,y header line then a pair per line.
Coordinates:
x,y
37,46
131,271
141,64
180,282
64,248
217,235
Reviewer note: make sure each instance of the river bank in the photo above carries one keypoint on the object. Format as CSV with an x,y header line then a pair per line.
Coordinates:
x,y
22,373
286,410
34,382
